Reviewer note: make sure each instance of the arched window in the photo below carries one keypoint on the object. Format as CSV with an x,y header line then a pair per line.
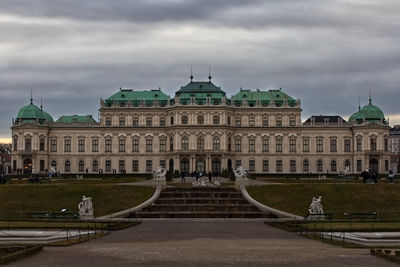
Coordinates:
x,y
200,143
216,119
216,143
67,166
320,166
171,143
185,143
185,119
95,166
200,119
306,165
81,166
229,144
333,166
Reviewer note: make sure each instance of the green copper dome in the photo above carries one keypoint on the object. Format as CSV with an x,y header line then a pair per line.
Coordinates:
x,y
369,113
48,116
31,113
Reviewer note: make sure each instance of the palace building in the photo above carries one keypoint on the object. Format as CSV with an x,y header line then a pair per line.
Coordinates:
x,y
202,129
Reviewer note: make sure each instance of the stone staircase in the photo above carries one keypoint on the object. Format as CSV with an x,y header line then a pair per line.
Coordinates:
x,y
200,202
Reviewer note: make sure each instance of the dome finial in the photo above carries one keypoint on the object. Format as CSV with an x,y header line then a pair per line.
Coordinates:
x,y
191,73
209,73
31,97
359,103
370,98
41,106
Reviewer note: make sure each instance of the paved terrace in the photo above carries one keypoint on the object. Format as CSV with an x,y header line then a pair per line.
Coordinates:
x,y
202,243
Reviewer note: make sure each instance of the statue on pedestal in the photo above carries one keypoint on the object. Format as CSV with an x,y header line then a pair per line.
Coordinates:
x,y
86,208
316,211
159,177
240,176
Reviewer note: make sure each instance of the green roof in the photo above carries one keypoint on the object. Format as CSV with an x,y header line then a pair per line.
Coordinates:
x,y
369,113
76,119
136,97
265,97
31,113
200,87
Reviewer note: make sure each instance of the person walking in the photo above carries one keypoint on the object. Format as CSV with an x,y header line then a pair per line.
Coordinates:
x,y
391,176
183,177
209,176
365,176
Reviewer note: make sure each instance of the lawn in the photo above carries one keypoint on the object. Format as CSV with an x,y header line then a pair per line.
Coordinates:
x,y
296,198
17,199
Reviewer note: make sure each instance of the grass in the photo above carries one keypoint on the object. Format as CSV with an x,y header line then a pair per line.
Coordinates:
x,y
296,198
17,199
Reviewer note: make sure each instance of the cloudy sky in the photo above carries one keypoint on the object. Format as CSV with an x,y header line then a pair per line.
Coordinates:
x,y
71,53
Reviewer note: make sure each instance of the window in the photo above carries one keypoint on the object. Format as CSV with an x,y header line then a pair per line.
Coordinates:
x,y
320,145
15,143
185,119
320,166
53,145
238,163
278,120
172,120
149,166
135,145
41,145
121,121
67,145
386,165
162,121
279,165
306,145
108,165
135,121
162,163
292,145
359,144
265,145
200,143
121,145
95,145
333,145
333,166
386,144
135,165
216,143
306,165
229,120
347,145
238,145
54,164
149,121
121,166
163,145
108,147
229,144
359,165
347,166
171,144
41,168
149,145
265,121
28,144
265,165
108,121
252,165
185,143
373,144
251,120
81,145
292,166
200,119
81,166
67,166
292,121
95,166
252,145
216,119
278,145
238,121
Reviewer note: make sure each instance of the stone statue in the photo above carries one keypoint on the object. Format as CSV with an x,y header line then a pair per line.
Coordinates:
x,y
86,208
316,211
159,177
240,176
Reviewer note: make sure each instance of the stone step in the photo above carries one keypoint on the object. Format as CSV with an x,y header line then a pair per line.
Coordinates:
x,y
200,200
204,214
199,194
201,189
201,208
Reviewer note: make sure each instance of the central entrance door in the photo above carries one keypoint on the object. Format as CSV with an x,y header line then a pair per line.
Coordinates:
x,y
373,165
216,166
28,165
200,165
185,166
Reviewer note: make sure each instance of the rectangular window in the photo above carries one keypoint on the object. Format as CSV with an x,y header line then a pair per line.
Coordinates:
x,y
238,163
14,165
135,165
53,145
278,121
292,121
149,121
229,120
149,145
306,166
162,163
333,145
292,166
279,165
292,145
278,145
163,145
252,165
108,147
135,121
95,145
135,145
359,144
265,121
41,145
252,145
149,166
162,121
265,145
251,121
121,166
15,144
171,120
200,143
67,145
42,165
108,121
347,145
265,165
121,145
28,144
108,165
121,121
306,145
386,144
373,144
238,145
320,145
320,166
81,145
386,165
359,165
238,121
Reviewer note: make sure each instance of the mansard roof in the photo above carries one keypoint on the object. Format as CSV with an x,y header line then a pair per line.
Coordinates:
x,y
323,118
129,94
203,87
76,119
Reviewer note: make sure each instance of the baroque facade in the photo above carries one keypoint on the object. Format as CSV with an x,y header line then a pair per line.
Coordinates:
x,y
201,129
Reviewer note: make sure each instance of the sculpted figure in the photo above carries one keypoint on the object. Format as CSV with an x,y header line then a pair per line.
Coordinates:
x,y
86,208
